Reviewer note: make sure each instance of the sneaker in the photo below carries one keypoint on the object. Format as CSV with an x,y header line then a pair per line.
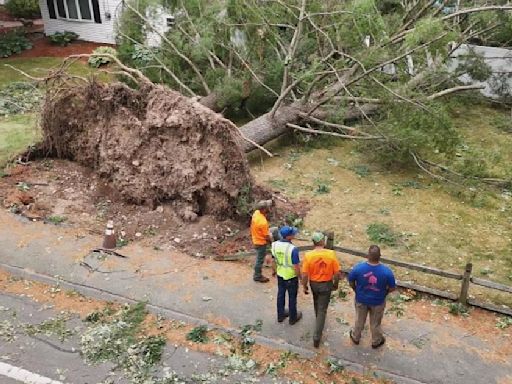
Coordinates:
x,y
261,279
356,342
379,344
316,343
281,319
299,316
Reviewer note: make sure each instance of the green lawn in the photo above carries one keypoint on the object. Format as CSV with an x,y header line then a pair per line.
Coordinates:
x,y
16,133
19,131
433,223
37,67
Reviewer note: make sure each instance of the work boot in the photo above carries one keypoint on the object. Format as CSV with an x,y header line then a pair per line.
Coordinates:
x,y
281,319
379,344
356,342
299,316
261,279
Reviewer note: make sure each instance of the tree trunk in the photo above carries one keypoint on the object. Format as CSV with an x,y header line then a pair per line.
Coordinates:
x,y
211,101
265,128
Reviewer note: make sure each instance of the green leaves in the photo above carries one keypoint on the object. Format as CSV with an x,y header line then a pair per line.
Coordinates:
x,y
13,42
63,38
97,61
23,8
198,334
381,233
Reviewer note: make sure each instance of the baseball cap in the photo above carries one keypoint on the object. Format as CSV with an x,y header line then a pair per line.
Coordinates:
x,y
317,237
286,231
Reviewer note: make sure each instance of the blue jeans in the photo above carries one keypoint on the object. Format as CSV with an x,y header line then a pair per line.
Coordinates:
x,y
292,286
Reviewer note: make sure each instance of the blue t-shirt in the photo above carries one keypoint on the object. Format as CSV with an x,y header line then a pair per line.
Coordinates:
x,y
372,282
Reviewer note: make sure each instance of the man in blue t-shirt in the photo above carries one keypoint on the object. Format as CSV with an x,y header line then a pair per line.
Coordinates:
x,y
371,281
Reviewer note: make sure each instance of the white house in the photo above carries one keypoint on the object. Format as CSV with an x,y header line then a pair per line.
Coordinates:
x,y
92,20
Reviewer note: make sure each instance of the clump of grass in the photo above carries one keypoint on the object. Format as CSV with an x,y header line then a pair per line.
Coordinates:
x,y
56,219
382,233
198,334
121,242
504,322
398,304
458,309
361,170
322,189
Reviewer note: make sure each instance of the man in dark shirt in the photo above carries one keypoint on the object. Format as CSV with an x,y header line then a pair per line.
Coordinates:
x,y
372,281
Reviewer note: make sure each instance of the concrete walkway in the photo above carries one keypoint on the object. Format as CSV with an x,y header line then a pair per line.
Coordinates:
x,y
421,347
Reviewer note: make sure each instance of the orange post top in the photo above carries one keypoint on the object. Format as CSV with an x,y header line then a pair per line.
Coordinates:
x,y
259,228
320,265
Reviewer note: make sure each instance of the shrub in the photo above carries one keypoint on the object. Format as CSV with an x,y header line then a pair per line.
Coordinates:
x,y
23,8
13,42
98,61
63,38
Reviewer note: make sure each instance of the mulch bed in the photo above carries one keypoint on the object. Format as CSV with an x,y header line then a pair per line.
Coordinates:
x,y
42,47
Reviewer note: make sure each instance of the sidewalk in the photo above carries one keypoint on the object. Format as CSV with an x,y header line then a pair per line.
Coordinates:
x,y
426,345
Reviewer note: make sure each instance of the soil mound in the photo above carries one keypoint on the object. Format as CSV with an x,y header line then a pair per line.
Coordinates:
x,y
153,144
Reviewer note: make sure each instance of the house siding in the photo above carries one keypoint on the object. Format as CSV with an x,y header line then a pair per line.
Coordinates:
x,y
86,30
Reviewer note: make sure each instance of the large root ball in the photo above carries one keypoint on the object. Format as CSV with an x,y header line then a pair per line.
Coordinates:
x,y
153,144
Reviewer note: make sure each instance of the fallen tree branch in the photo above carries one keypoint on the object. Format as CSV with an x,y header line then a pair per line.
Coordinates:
x,y
460,88
175,49
335,134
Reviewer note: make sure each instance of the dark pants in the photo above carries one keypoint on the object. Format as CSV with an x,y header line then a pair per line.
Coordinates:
x,y
321,298
261,251
292,287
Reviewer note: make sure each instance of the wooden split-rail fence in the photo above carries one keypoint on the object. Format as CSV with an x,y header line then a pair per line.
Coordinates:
x,y
465,278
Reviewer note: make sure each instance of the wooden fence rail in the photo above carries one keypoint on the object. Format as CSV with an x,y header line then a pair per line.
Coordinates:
x,y
465,277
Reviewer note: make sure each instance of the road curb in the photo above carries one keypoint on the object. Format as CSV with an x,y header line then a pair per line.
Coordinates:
x,y
101,294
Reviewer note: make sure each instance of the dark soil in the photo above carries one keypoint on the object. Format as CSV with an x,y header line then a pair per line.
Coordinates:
x,y
155,146
47,188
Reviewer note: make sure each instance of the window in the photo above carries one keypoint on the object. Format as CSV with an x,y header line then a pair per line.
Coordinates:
x,y
75,10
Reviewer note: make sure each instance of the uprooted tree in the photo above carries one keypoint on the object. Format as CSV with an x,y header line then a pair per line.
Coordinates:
x,y
311,66
317,65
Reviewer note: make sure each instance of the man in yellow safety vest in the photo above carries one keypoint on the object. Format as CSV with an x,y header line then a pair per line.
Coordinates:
x,y
286,265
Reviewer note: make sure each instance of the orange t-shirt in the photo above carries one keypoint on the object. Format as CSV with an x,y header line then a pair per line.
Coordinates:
x,y
259,228
320,265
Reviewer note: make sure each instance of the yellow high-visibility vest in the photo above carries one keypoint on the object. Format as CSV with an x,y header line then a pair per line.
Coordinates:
x,y
282,252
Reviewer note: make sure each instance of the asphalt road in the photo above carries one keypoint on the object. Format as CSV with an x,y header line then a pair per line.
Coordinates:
x,y
45,359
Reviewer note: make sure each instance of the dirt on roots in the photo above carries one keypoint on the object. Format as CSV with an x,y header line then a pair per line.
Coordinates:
x,y
153,144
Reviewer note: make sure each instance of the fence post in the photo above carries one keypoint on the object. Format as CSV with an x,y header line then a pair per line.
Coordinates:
x,y
329,244
466,278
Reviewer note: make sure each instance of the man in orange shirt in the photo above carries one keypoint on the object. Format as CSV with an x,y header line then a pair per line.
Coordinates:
x,y
322,270
260,237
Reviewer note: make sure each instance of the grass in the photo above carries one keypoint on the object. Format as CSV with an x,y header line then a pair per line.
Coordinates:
x,y
56,219
16,133
19,131
442,227
39,67
381,233
198,334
